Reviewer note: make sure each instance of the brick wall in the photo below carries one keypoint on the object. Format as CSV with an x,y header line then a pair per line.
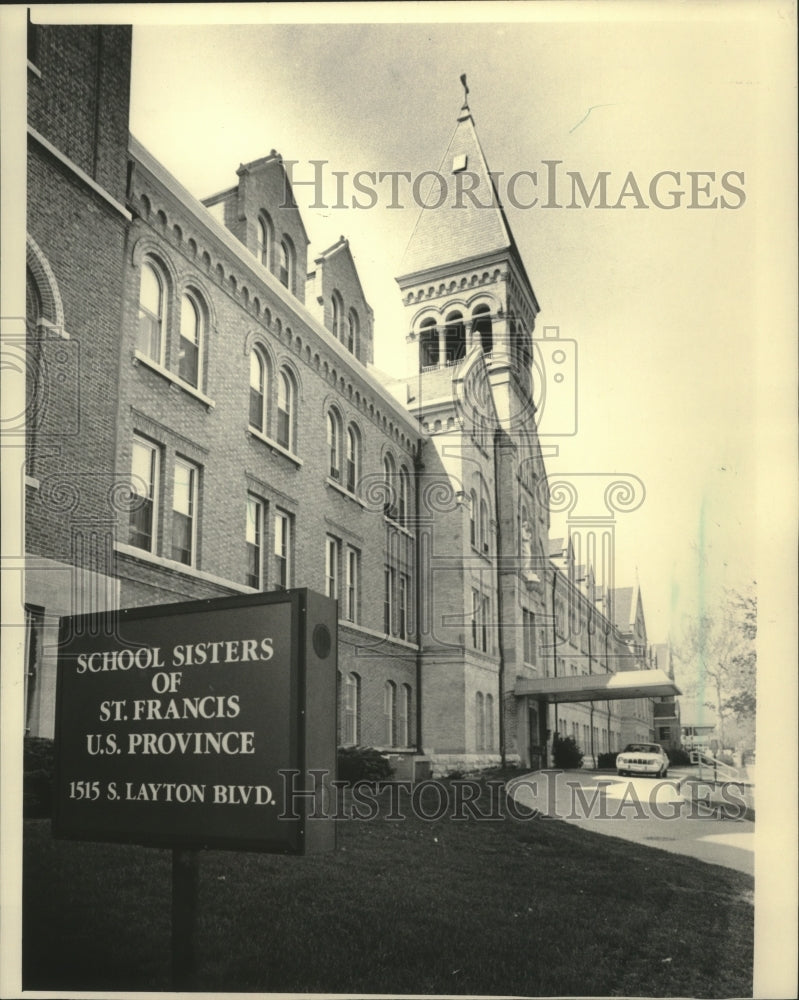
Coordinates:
x,y
80,101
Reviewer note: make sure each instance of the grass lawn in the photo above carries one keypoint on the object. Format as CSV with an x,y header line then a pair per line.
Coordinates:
x,y
530,907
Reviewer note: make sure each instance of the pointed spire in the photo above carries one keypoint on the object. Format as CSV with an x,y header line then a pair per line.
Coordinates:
x,y
465,115
465,93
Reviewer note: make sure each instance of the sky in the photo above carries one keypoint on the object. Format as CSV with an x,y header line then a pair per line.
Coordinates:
x,y
665,306
660,301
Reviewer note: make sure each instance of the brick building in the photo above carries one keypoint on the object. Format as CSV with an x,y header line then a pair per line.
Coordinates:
x,y
205,420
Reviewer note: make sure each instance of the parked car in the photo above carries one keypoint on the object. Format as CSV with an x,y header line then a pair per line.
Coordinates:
x,y
643,758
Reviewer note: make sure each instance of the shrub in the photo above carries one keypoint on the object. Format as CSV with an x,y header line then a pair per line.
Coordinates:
x,y
607,761
360,763
679,757
566,753
37,784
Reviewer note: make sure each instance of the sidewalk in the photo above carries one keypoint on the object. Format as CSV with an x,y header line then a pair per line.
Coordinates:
x,y
678,814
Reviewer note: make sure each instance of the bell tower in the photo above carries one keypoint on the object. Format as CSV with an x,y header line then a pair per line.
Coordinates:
x,y
463,282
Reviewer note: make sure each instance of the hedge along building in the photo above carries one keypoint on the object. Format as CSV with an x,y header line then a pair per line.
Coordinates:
x,y
229,433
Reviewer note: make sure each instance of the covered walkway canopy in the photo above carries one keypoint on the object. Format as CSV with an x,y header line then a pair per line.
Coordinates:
x,y
599,687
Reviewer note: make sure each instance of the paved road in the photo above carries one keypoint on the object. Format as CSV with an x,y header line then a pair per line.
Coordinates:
x,y
669,813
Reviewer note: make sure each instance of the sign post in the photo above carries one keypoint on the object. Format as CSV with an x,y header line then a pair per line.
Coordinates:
x,y
185,877
209,724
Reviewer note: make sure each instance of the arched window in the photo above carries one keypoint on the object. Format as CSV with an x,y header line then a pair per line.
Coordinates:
x,y
353,328
258,391
285,410
150,331
390,713
191,330
454,338
404,733
489,707
483,526
353,448
480,721
404,494
473,519
286,264
428,344
389,473
337,318
334,445
352,709
264,241
481,329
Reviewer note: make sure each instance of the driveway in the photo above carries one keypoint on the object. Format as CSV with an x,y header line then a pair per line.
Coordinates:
x,y
677,813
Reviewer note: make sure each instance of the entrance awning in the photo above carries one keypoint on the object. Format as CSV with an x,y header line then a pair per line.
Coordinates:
x,y
599,687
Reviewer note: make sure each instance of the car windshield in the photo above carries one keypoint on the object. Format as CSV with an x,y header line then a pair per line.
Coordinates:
x,y
642,748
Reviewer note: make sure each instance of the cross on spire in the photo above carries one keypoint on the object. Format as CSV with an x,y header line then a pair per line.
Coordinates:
x,y
465,93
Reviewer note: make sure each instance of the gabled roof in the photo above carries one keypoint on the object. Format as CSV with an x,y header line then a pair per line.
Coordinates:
x,y
660,656
273,159
449,234
341,244
626,604
623,607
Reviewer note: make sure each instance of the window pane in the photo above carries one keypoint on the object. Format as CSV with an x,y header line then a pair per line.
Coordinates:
x,y
189,356
351,709
282,551
352,584
183,500
284,401
150,298
403,607
352,457
183,503
148,334
181,538
254,532
331,567
389,708
143,472
286,266
332,445
263,243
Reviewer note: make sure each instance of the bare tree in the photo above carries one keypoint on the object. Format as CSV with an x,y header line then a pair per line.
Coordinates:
x,y
717,652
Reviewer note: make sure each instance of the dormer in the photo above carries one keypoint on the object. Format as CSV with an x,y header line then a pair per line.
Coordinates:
x,y
262,213
336,297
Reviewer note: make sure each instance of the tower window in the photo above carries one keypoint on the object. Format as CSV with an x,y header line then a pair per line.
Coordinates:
x,y
454,338
428,344
481,330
